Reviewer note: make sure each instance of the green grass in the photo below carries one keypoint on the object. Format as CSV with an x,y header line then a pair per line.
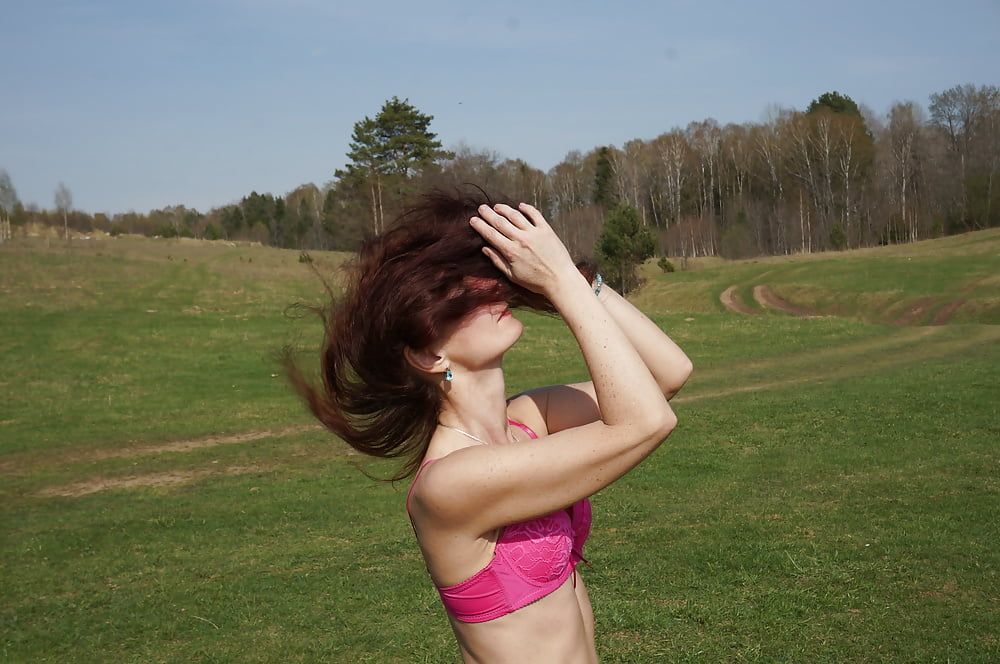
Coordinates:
x,y
874,285
829,495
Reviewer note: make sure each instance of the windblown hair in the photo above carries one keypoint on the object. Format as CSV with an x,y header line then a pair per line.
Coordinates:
x,y
404,288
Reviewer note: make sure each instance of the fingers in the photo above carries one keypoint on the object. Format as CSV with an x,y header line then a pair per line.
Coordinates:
x,y
491,234
503,227
500,221
533,214
515,217
499,262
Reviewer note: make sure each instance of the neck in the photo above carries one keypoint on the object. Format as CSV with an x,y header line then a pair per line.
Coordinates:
x,y
475,403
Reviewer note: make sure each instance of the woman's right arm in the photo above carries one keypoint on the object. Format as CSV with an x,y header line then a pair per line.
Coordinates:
x,y
479,488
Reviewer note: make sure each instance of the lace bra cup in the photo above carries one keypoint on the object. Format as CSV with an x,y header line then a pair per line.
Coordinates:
x,y
531,559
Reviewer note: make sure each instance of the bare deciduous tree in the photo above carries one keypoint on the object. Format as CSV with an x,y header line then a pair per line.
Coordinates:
x,y
64,201
8,199
903,138
962,112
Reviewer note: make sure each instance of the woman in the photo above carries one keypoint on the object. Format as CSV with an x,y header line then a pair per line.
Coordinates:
x,y
412,367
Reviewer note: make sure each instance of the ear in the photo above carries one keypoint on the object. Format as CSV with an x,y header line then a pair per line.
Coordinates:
x,y
425,360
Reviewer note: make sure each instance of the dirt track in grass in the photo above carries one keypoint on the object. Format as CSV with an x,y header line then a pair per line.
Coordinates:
x,y
770,300
169,478
838,371
732,302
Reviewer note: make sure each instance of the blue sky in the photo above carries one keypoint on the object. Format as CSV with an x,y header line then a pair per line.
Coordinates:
x,y
137,105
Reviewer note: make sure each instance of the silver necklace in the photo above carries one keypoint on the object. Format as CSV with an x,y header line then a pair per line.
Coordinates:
x,y
465,433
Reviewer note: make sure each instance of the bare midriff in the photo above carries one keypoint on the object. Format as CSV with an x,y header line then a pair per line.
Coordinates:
x,y
552,629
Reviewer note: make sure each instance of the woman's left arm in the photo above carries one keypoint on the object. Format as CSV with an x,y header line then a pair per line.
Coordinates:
x,y
665,360
561,407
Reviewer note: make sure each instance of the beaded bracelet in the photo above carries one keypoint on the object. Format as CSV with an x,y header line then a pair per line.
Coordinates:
x,y
599,280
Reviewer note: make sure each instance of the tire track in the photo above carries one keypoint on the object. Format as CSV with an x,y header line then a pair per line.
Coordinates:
x,y
199,443
768,299
65,457
169,478
730,301
942,349
810,358
945,313
915,311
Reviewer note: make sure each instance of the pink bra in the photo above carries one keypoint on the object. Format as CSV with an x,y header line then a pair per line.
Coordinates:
x,y
531,559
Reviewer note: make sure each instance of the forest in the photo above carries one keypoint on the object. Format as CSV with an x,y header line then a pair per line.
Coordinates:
x,y
832,176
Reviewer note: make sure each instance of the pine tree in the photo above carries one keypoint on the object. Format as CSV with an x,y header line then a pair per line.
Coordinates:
x,y
389,150
835,102
624,243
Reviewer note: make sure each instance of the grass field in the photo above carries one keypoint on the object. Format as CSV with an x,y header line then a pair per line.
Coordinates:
x,y
830,493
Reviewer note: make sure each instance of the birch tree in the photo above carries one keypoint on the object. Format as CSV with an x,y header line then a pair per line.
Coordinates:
x,y
8,201
768,146
903,142
673,151
64,200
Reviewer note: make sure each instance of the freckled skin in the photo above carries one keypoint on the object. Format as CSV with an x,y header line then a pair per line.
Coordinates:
x,y
600,429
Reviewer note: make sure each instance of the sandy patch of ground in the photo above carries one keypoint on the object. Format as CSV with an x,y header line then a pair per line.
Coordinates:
x,y
733,303
199,443
37,230
169,478
24,461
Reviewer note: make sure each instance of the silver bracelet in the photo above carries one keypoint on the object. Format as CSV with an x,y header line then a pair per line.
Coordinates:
x,y
599,280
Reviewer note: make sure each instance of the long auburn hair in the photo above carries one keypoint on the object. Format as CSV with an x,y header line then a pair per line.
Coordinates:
x,y
404,288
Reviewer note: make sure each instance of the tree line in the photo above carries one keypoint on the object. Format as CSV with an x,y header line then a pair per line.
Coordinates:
x,y
831,176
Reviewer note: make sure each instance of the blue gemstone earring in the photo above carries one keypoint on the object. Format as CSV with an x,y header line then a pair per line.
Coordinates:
x,y
448,375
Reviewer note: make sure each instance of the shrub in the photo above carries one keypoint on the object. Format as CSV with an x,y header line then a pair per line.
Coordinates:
x,y
624,244
838,239
166,230
664,264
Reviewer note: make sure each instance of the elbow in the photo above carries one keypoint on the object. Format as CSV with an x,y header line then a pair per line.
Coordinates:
x,y
665,423
683,373
687,369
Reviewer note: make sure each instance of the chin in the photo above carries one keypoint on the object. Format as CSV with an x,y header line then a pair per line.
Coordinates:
x,y
520,328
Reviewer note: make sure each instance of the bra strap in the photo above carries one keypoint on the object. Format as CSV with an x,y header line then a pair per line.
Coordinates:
x,y
525,427
414,482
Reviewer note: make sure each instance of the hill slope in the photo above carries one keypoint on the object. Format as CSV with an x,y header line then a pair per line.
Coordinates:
x,y
954,279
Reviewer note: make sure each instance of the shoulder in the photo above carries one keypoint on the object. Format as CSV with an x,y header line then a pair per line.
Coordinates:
x,y
444,496
423,499
529,408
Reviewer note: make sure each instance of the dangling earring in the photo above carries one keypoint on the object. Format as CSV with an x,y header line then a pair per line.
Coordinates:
x,y
448,375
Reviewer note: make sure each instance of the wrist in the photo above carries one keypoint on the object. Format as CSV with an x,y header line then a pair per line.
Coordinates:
x,y
597,285
606,293
568,284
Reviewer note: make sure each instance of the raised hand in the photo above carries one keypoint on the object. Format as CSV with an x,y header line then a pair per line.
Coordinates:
x,y
523,246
